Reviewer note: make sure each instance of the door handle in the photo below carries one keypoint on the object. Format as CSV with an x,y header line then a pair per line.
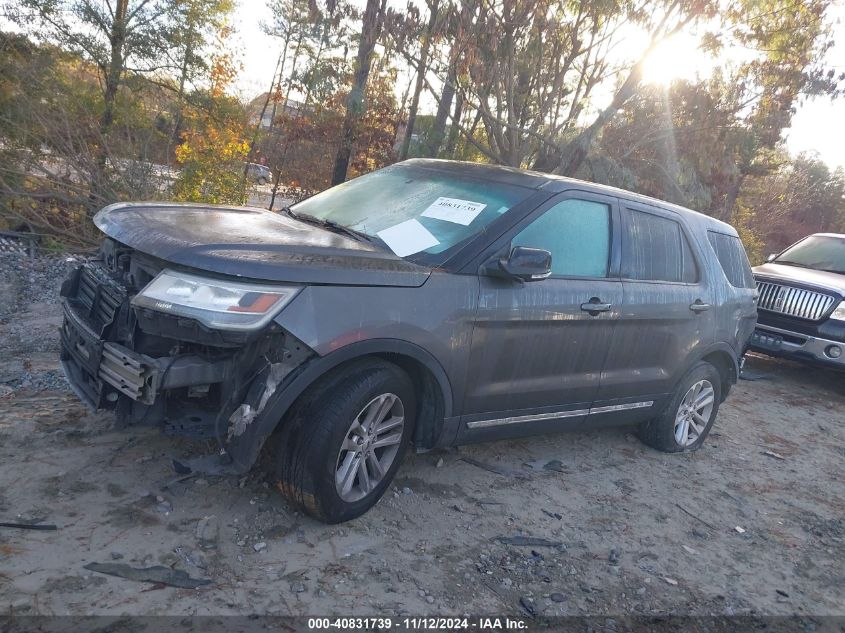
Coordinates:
x,y
595,305
699,306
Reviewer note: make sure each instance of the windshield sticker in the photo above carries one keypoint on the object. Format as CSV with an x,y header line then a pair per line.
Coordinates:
x,y
454,210
407,238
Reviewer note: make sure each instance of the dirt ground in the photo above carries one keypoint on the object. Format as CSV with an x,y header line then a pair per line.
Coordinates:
x,y
753,523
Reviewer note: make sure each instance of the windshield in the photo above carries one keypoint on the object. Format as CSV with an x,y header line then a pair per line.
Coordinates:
x,y
414,210
821,252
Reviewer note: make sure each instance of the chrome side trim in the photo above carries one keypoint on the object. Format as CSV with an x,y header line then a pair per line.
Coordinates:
x,y
621,407
480,424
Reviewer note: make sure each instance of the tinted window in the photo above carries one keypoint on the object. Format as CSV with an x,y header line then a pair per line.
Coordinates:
x,y
732,258
576,233
656,249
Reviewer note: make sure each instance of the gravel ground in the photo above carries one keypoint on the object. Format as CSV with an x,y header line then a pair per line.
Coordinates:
x,y
589,523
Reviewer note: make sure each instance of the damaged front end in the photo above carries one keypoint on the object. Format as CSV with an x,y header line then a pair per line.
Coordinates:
x,y
154,365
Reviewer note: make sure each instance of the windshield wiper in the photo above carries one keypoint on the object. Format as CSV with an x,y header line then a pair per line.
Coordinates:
x,y
329,224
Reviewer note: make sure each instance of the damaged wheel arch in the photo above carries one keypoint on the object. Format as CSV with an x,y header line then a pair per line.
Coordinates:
x,y
435,402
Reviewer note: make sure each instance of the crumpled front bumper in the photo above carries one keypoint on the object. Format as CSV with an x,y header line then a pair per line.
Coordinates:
x,y
99,371
154,368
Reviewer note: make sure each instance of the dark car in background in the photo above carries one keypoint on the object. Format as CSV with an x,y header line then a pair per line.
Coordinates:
x,y
801,305
430,303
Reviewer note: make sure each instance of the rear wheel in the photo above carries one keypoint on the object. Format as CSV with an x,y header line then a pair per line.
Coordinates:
x,y
344,440
262,180
687,420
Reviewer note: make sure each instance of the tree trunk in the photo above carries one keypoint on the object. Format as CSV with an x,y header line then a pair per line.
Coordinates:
x,y
279,68
282,157
180,100
117,39
370,31
113,75
421,70
575,153
454,130
731,196
281,74
438,132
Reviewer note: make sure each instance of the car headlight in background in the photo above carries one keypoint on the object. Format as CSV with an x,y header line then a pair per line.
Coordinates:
x,y
217,303
839,312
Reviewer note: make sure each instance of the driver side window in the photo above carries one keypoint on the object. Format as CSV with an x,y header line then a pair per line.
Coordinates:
x,y
576,233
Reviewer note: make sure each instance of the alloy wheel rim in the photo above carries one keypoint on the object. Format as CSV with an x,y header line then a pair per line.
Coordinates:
x,y
694,413
369,447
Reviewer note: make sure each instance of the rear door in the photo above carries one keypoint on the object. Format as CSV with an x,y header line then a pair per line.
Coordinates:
x,y
538,347
667,313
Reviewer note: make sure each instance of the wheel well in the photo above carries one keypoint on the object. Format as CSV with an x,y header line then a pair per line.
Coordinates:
x,y
430,404
727,370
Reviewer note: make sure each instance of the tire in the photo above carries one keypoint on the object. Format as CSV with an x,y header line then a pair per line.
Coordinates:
x,y
262,181
666,432
314,459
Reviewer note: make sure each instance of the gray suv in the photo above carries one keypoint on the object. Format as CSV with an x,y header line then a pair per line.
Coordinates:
x,y
430,303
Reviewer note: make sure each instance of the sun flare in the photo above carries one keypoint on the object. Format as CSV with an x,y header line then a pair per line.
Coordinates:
x,y
677,58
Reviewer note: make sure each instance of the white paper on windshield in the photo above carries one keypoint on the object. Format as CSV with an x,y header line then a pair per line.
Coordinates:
x,y
454,210
407,238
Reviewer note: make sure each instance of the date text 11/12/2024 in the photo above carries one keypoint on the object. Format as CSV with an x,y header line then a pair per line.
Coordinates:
x,y
484,624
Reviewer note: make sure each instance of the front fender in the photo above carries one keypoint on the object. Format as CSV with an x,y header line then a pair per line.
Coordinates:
x,y
244,448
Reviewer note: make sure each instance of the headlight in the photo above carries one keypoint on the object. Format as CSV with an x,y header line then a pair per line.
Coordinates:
x,y
219,304
839,313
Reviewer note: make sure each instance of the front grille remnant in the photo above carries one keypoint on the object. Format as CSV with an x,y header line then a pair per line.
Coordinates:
x,y
99,296
797,302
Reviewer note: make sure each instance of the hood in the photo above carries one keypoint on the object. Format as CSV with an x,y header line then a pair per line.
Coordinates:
x,y
818,278
253,243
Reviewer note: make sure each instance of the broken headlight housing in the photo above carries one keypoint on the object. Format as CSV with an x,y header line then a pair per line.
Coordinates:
x,y
217,303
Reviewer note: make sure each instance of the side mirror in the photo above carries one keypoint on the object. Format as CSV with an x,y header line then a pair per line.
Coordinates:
x,y
771,257
527,264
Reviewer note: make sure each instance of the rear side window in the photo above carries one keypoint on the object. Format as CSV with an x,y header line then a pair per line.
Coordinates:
x,y
576,233
656,249
732,258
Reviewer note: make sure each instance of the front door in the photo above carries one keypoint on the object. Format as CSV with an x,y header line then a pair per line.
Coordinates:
x,y
538,347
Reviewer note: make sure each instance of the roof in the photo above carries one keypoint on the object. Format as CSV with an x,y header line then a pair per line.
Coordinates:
x,y
554,183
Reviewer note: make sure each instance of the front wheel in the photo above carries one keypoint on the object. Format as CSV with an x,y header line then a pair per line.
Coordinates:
x,y
686,421
344,441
